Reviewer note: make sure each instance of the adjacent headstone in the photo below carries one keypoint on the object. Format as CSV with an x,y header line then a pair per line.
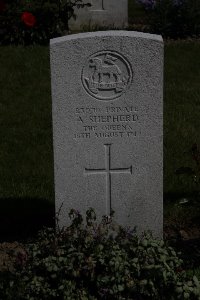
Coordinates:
x,y
101,13
107,91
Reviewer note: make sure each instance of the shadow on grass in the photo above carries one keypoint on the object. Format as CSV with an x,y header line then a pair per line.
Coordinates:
x,y
21,218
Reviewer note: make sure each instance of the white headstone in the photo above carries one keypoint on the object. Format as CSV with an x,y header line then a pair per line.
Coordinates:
x,y
107,92
101,13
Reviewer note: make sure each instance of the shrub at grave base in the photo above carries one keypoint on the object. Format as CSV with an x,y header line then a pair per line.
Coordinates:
x,y
98,262
35,22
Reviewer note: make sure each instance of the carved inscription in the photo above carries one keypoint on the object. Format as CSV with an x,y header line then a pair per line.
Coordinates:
x,y
108,171
107,122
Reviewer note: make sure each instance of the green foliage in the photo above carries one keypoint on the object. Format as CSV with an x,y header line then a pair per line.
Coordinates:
x,y
173,18
102,261
51,17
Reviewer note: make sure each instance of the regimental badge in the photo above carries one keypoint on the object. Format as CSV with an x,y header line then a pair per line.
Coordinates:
x,y
106,75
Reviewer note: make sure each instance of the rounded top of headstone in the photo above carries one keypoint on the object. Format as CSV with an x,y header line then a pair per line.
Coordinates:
x,y
110,33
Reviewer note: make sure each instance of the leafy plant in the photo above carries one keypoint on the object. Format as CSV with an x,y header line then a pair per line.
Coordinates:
x,y
35,22
104,261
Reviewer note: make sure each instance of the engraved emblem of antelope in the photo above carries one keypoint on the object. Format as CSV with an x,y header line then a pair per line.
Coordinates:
x,y
107,70
106,75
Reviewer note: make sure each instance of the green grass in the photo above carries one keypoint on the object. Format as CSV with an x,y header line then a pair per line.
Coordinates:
x,y
181,111
26,159
26,150
136,13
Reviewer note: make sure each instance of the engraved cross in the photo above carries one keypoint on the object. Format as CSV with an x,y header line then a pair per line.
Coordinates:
x,y
108,171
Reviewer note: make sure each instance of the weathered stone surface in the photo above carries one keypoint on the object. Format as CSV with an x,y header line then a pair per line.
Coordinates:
x,y
107,90
106,13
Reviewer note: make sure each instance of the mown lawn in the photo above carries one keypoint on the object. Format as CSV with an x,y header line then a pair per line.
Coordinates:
x,y
26,150
181,112
136,13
